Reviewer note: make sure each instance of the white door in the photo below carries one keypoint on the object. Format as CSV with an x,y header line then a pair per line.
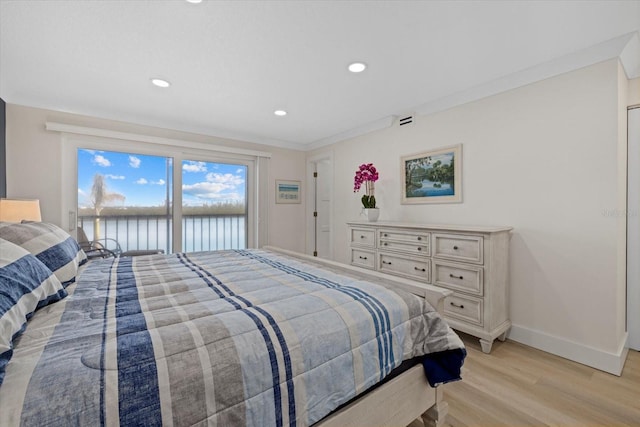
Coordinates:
x,y
319,235
323,206
633,230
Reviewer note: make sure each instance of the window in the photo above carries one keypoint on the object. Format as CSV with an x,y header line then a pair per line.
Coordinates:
x,y
214,206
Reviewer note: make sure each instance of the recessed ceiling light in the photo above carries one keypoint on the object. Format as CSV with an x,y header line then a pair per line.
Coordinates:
x,y
357,67
160,82
280,113
194,1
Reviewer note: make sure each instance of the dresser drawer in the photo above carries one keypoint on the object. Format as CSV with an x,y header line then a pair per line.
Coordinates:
x,y
401,265
420,237
464,308
363,258
458,277
363,237
416,249
458,247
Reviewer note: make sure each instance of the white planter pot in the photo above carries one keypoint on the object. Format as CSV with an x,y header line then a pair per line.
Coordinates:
x,y
371,214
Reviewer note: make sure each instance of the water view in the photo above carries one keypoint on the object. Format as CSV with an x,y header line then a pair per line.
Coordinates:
x,y
200,233
127,199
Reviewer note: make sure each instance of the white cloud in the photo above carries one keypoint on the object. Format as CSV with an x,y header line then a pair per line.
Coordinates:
x,y
227,178
101,161
211,191
134,162
217,187
191,166
240,170
109,176
144,181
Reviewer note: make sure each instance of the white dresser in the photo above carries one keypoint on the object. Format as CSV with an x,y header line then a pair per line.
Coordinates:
x,y
471,261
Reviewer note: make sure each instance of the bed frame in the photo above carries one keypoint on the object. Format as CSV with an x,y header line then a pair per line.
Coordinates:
x,y
409,395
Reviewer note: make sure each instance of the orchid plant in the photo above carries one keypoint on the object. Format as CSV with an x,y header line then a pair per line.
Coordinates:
x,y
367,175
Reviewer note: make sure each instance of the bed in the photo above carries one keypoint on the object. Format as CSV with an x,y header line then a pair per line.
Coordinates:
x,y
240,337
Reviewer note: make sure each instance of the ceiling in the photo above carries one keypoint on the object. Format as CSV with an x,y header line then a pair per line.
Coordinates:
x,y
232,63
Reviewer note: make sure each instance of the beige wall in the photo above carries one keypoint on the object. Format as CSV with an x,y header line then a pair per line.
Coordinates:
x,y
543,158
34,166
634,92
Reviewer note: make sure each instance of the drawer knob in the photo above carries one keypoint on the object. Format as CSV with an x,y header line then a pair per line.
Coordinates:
x,y
385,243
385,235
362,257
456,277
419,238
419,269
455,248
386,262
361,236
419,248
456,305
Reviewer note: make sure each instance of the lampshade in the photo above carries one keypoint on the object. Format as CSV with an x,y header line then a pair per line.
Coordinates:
x,y
17,210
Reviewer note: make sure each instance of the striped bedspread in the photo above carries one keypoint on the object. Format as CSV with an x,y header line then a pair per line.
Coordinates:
x,y
229,338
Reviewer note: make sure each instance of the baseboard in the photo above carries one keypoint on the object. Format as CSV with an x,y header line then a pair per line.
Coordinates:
x,y
599,359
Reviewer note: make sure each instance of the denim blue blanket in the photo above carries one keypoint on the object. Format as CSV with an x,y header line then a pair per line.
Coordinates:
x,y
246,337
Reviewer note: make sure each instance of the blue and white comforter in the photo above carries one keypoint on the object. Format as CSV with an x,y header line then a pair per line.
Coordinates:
x,y
221,338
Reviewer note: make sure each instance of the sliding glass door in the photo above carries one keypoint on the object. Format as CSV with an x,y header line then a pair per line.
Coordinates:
x,y
126,201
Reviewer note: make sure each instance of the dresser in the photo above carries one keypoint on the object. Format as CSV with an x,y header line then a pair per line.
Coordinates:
x,y
473,262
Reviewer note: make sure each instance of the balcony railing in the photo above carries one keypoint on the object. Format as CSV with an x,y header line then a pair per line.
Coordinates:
x,y
199,232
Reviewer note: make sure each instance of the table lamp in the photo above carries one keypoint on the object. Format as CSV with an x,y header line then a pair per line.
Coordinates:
x,y
17,210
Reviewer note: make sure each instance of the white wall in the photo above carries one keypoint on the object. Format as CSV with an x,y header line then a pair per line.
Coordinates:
x,y
633,96
34,166
543,158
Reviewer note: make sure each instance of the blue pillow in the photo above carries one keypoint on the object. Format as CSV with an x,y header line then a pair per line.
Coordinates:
x,y
26,284
50,244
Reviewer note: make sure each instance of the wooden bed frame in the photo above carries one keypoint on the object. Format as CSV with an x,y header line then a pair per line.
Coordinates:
x,y
409,395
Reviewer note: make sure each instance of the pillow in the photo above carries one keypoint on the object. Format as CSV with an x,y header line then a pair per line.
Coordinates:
x,y
26,284
50,244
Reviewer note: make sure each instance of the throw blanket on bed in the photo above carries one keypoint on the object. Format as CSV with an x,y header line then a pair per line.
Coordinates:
x,y
227,338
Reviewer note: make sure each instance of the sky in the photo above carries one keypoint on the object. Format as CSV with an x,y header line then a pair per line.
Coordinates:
x,y
142,179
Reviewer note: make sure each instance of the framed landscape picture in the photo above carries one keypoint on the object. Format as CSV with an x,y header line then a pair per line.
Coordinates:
x,y
287,191
433,176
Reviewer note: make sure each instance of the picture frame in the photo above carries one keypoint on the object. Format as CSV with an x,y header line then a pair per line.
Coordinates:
x,y
288,191
433,176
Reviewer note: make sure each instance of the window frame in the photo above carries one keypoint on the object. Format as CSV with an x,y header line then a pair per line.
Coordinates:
x,y
256,168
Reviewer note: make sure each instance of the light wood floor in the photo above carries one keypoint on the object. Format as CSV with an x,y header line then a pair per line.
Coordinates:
x,y
517,385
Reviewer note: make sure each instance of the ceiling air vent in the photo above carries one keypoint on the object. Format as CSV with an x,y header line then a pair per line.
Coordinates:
x,y
406,120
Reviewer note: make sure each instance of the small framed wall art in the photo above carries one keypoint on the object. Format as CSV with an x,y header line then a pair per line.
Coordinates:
x,y
287,191
433,176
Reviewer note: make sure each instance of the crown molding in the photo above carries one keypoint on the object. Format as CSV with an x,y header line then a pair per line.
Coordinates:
x,y
626,48
610,49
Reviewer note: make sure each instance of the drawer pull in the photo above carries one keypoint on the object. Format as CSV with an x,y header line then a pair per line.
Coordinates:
x,y
419,248
386,262
385,243
385,235
455,248
419,269
419,238
456,305
362,237
456,277
362,257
